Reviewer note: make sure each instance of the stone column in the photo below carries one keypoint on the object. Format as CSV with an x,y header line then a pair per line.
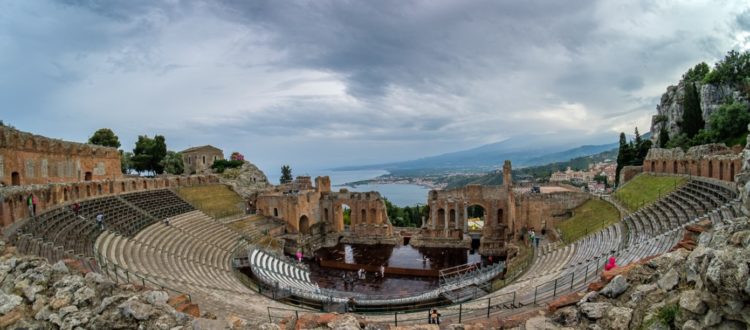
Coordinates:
x,y
466,217
433,215
445,220
455,212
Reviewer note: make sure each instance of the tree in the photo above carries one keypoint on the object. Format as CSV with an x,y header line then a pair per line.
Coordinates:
x,y
105,137
622,156
286,174
696,73
126,163
733,69
663,137
692,117
148,154
730,121
172,163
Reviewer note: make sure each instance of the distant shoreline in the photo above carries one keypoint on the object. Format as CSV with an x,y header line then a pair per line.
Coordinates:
x,y
394,180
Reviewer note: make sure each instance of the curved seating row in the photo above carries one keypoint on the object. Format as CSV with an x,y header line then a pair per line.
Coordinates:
x,y
61,233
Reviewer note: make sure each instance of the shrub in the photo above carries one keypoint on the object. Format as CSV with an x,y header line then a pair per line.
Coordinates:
x,y
223,164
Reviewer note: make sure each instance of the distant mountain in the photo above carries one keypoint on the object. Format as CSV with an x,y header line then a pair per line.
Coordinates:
x,y
523,152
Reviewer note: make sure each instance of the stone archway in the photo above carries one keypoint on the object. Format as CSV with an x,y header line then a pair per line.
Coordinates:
x,y
15,179
304,225
440,221
452,218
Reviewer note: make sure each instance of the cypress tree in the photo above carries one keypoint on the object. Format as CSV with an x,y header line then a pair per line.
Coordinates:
x,y
692,117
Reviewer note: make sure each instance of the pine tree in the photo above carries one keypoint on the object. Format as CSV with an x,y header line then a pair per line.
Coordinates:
x,y
622,155
286,174
663,137
692,117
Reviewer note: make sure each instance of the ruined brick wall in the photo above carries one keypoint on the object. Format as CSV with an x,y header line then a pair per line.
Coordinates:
x,y
714,161
629,172
539,211
27,159
306,207
14,207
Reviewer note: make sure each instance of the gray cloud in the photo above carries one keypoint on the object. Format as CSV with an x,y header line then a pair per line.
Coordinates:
x,y
386,79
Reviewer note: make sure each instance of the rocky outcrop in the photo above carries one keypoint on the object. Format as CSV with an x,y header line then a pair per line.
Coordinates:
x,y
37,295
706,288
669,110
246,180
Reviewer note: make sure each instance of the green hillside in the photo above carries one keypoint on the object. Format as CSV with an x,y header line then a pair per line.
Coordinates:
x,y
644,189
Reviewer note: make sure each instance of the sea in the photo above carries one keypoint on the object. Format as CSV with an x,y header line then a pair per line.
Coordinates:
x,y
397,193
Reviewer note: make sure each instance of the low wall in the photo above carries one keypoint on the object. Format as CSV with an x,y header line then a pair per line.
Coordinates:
x,y
388,270
14,207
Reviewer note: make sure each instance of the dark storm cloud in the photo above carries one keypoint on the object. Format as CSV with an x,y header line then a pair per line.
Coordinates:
x,y
403,78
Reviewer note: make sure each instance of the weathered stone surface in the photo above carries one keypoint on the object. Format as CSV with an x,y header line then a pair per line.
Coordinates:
x,y
692,325
540,323
136,309
595,310
712,318
566,300
691,300
567,316
618,318
156,297
206,324
8,302
616,287
269,326
344,322
60,267
669,280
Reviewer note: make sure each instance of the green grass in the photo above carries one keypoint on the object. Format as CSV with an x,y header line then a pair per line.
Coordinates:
x,y
218,200
645,189
588,218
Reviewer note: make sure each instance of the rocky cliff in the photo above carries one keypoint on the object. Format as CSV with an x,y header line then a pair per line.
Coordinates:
x,y
246,180
670,108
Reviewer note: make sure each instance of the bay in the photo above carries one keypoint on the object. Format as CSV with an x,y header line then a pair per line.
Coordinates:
x,y
400,194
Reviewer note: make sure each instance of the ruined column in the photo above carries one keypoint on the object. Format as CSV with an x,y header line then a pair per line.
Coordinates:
x,y
466,217
433,215
455,208
445,220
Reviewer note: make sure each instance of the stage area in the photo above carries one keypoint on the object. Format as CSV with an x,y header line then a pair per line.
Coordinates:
x,y
408,270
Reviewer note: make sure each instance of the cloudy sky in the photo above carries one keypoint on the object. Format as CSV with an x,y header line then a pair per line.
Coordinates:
x,y
326,83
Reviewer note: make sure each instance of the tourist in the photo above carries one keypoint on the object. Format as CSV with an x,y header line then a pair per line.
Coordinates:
x,y
434,317
610,264
166,221
30,203
34,201
76,208
299,255
382,271
536,241
100,221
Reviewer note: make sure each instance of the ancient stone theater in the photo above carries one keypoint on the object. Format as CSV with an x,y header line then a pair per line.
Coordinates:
x,y
27,159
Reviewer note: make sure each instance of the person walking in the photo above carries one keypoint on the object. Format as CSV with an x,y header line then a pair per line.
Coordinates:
x,y
30,203
100,221
382,270
34,201
76,208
